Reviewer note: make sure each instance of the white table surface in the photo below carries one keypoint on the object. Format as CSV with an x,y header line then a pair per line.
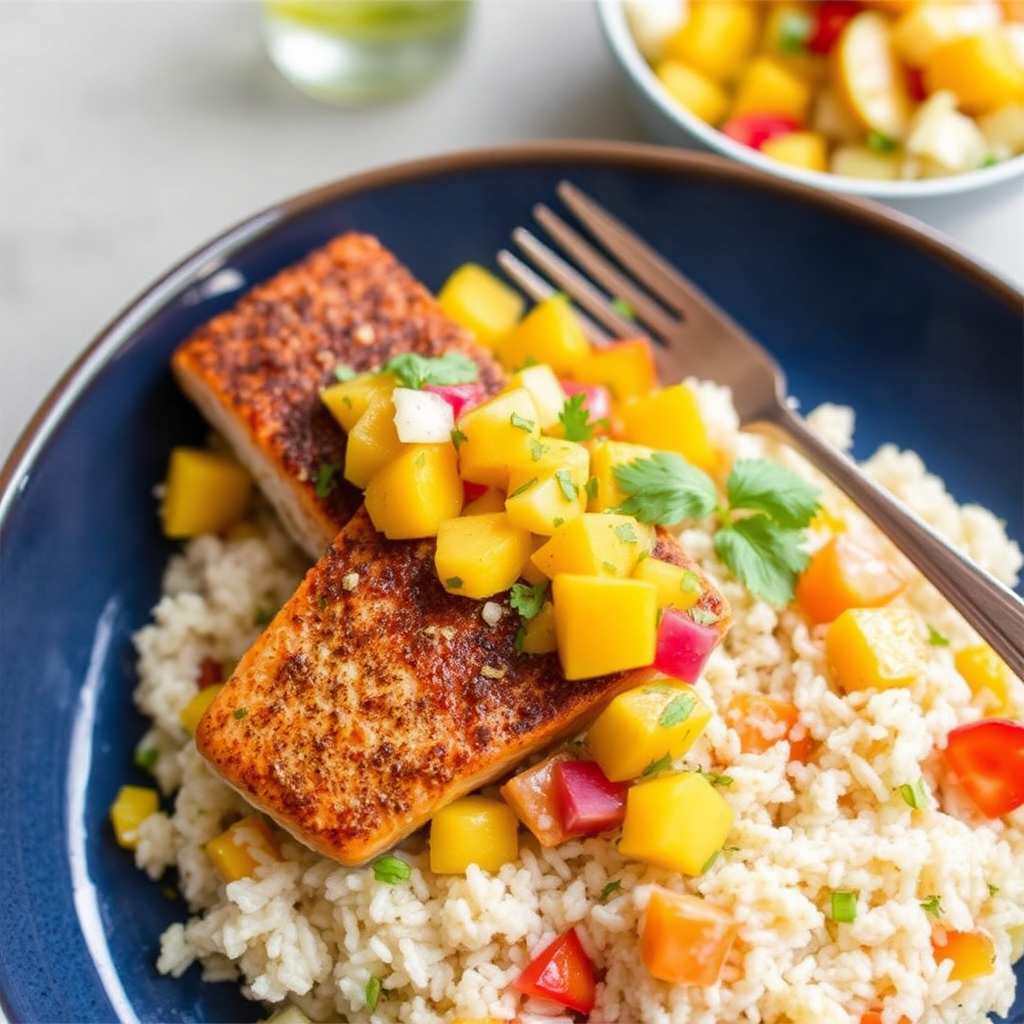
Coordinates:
x,y
131,132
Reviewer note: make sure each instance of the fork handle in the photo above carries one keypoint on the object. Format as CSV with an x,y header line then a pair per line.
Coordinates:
x,y
994,610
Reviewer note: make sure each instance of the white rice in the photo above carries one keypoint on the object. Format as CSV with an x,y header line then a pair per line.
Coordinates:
x,y
309,932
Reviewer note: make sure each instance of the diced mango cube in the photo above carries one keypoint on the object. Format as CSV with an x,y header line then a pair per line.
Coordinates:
x,y
539,632
415,492
702,96
497,434
874,647
196,707
349,399
644,725
603,624
605,457
677,587
550,333
473,830
492,500
551,489
626,368
716,38
987,675
768,87
478,556
670,420
131,807
979,70
675,821
372,442
238,851
684,939
973,953
545,389
478,300
596,544
806,150
204,493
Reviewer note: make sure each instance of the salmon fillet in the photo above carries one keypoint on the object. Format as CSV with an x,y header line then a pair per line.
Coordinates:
x,y
256,371
375,697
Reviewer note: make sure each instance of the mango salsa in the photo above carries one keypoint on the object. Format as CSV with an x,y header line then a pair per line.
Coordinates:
x,y
478,556
372,442
875,647
551,489
497,434
603,624
550,333
237,852
478,300
595,543
473,830
678,822
131,807
670,420
205,493
605,456
643,726
677,587
415,492
545,389
626,368
349,399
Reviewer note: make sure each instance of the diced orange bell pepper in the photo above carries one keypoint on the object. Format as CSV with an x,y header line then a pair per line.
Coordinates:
x,y
762,721
874,647
844,574
973,953
875,1017
685,939
530,794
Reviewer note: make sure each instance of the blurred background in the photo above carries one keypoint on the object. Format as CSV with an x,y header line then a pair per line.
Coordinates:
x,y
132,132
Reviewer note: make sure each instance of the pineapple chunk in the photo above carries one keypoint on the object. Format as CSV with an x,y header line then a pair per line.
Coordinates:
x,y
678,822
595,544
473,830
473,297
415,492
478,556
807,150
204,493
237,852
603,624
349,399
372,442
131,807
704,98
550,333
1003,129
643,726
768,87
670,420
938,133
497,434
545,390
863,162
875,647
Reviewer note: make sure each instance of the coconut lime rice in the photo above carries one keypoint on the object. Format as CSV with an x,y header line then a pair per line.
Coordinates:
x,y
345,944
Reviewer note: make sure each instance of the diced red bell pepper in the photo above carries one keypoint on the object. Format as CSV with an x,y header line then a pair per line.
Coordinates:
x,y
471,491
683,645
587,801
915,84
461,397
597,400
561,972
988,757
755,130
830,18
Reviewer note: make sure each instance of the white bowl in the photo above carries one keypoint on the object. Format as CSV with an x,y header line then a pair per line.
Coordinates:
x,y
672,124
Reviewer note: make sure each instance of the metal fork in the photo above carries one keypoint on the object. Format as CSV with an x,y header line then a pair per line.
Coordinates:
x,y
692,337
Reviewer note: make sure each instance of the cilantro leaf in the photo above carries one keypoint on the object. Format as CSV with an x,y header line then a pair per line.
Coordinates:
x,y
565,483
414,370
324,481
763,486
677,710
665,489
528,600
575,419
763,555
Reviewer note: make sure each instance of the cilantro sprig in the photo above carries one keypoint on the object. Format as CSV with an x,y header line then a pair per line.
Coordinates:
x,y
762,518
415,371
575,418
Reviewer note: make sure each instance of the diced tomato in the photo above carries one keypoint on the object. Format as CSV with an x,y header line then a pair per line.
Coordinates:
x,y
461,397
830,19
597,400
586,799
988,757
561,972
755,130
471,491
915,85
683,645
211,672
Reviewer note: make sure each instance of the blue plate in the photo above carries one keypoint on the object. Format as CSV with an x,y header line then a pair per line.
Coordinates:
x,y
861,307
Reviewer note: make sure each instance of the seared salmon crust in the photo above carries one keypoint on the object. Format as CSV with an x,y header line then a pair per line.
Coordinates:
x,y
256,371
375,697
